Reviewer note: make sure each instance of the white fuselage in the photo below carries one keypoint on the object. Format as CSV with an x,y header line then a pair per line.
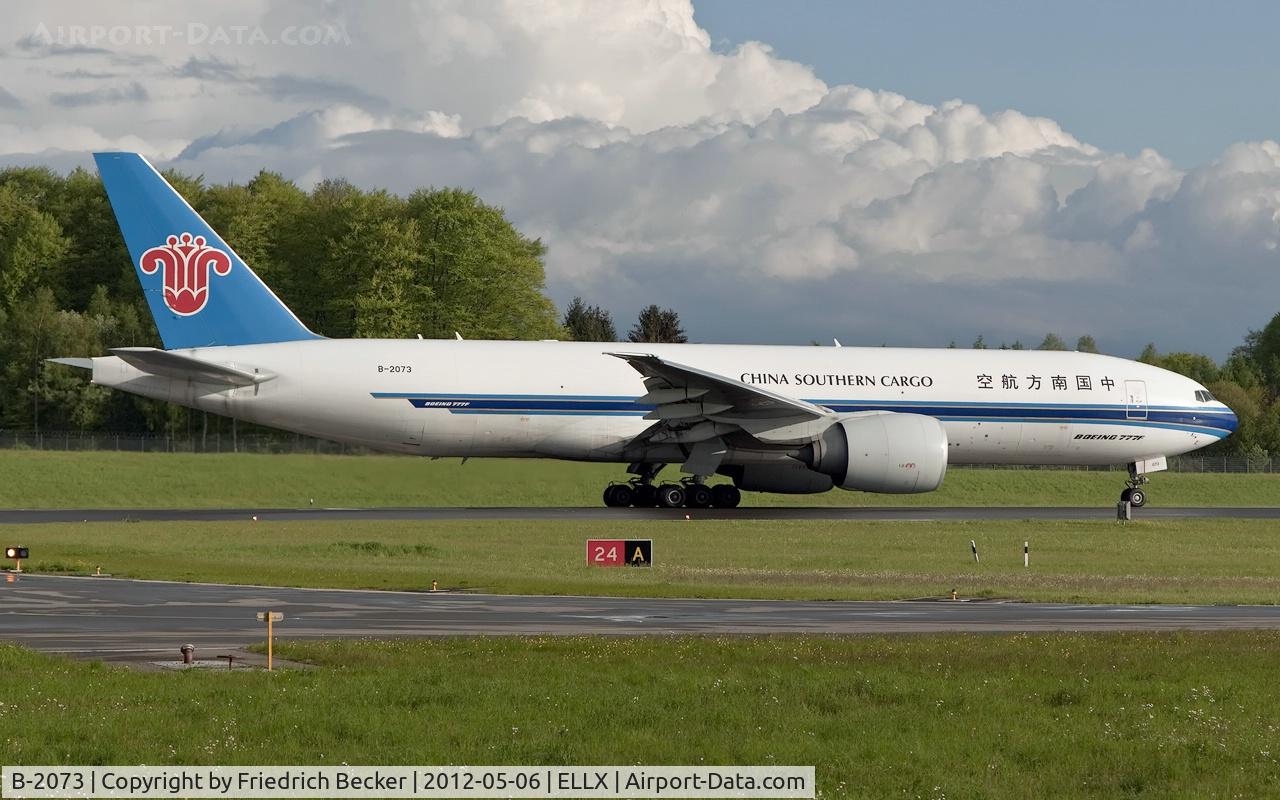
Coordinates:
x,y
573,400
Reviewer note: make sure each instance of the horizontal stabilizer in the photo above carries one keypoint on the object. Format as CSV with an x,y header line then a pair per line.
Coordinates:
x,y
79,363
176,365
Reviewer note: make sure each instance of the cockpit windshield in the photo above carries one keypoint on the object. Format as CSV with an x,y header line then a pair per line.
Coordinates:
x,y
1203,396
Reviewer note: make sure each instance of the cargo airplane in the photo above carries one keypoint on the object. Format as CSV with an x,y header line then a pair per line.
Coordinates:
x,y
772,419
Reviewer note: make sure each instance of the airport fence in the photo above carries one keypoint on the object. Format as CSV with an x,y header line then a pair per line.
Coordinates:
x,y
224,442
213,442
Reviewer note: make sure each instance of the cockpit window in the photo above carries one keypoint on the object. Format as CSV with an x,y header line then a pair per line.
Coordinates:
x,y
1203,396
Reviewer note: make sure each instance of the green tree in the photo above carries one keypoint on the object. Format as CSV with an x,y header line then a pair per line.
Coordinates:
x,y
389,303
1052,341
1197,367
979,343
42,395
657,325
1086,344
31,247
486,278
1263,349
586,323
321,283
96,254
1240,369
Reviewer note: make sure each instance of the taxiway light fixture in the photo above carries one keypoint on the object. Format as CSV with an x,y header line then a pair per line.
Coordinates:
x,y
16,553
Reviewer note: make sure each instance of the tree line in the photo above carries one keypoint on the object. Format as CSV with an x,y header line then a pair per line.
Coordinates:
x,y
362,263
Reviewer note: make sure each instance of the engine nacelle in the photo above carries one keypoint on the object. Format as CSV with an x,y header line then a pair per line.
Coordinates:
x,y
889,453
789,477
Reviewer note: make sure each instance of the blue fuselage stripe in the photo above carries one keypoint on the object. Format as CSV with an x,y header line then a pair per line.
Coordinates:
x,y
1217,422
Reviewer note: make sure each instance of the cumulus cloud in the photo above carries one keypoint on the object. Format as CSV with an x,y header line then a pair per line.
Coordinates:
x,y
734,186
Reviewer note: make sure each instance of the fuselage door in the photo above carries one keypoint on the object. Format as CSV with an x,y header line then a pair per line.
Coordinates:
x,y
411,429
1135,399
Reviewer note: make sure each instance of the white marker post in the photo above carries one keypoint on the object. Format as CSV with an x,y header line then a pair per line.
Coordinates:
x,y
1026,554
269,617
973,545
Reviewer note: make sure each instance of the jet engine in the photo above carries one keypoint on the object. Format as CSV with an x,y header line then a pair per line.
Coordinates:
x,y
887,452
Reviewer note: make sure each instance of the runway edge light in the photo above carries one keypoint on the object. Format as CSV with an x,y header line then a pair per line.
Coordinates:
x,y
17,554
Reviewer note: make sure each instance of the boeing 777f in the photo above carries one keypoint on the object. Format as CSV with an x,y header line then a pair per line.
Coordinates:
x,y
773,419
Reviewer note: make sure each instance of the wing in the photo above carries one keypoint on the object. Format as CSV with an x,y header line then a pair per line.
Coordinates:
x,y
693,405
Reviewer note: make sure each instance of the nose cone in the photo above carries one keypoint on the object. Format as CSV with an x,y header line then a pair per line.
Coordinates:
x,y
1229,419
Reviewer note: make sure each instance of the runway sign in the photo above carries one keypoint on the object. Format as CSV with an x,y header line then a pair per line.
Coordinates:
x,y
620,552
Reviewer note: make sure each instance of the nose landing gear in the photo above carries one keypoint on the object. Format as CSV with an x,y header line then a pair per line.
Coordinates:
x,y
1135,495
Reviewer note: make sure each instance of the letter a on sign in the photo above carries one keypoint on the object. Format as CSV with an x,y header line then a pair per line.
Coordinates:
x,y
639,552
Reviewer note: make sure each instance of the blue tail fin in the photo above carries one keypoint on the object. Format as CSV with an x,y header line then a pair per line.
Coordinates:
x,y
201,294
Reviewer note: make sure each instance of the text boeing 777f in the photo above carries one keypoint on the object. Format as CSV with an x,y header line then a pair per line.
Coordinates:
x,y
775,419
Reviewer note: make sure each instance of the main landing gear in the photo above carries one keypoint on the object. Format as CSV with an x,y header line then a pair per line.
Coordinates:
x,y
1135,495
689,493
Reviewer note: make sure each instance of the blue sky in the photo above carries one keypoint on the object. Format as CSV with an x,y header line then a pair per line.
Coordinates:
x,y
1187,78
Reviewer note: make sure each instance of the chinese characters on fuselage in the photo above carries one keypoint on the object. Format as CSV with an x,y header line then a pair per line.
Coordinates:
x,y
1058,383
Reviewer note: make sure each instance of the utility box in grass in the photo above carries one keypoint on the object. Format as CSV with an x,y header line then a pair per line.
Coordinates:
x,y
620,552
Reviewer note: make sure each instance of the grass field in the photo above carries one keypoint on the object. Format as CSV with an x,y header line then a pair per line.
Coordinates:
x,y
1171,715
37,479
1183,561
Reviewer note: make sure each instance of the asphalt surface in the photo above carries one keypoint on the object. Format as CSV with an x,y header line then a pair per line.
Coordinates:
x,y
127,619
22,516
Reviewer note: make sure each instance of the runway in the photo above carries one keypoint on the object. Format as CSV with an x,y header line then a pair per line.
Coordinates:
x,y
122,619
832,513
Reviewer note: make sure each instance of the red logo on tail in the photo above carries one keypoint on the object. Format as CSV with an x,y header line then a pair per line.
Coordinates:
x,y
186,260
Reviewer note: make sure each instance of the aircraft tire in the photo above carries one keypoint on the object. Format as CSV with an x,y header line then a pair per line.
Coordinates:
x,y
724,495
611,496
622,495
697,495
671,495
1138,498
646,495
